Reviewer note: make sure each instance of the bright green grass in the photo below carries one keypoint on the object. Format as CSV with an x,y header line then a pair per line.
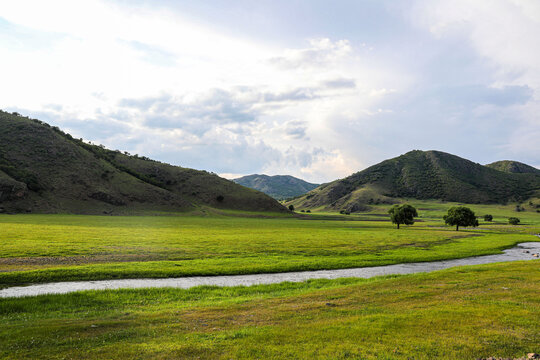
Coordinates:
x,y
462,313
71,247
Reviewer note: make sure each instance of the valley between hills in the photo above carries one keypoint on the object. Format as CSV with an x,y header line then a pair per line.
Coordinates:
x,y
74,211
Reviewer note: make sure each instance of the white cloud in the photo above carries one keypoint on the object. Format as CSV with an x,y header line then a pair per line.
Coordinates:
x,y
174,86
90,55
499,30
149,80
504,33
323,52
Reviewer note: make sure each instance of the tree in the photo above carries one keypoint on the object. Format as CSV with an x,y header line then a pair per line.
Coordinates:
x,y
488,217
460,216
513,220
291,207
402,214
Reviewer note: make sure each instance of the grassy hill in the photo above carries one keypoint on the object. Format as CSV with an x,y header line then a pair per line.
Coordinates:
x,y
280,187
45,170
421,175
515,167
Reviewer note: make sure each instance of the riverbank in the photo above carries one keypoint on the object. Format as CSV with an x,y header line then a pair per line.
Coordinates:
x,y
523,251
460,313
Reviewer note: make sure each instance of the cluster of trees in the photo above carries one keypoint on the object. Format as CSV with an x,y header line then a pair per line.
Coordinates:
x,y
291,208
458,216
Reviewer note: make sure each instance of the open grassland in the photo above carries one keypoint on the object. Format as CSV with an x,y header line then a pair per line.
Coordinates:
x,y
44,248
461,313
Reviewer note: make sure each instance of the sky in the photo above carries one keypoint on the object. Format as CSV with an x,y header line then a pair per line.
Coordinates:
x,y
310,88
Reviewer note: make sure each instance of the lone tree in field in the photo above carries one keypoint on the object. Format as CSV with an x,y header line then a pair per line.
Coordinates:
x,y
402,214
513,220
291,207
488,217
460,216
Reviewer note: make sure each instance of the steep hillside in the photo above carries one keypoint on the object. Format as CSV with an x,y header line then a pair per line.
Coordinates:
x,y
515,167
199,187
421,175
279,187
45,170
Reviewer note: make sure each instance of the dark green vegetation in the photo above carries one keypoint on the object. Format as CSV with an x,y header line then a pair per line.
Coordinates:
x,y
462,313
402,214
513,167
280,187
513,220
460,216
421,175
45,170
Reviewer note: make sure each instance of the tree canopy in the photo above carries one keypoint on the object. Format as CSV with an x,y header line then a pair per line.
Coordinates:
x,y
460,216
403,214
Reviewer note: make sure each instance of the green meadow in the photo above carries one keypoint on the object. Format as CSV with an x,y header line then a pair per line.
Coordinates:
x,y
461,313
45,248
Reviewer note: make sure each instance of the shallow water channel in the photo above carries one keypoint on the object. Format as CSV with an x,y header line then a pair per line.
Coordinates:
x,y
523,251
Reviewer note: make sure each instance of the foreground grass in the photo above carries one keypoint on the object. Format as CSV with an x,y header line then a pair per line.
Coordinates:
x,y
463,313
45,248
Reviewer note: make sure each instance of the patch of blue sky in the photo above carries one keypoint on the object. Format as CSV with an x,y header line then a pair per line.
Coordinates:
x,y
21,38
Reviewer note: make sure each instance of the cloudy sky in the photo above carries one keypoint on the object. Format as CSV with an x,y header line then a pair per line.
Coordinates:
x,y
316,89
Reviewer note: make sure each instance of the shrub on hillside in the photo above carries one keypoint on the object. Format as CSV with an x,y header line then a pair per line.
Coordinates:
x,y
513,220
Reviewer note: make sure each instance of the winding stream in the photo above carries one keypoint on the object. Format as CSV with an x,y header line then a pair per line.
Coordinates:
x,y
523,251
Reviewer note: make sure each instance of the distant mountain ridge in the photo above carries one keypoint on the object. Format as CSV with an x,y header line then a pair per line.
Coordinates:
x,y
422,175
279,187
515,167
45,170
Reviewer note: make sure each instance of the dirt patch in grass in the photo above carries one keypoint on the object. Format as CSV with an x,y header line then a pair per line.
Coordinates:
x,y
464,236
7,263
426,244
